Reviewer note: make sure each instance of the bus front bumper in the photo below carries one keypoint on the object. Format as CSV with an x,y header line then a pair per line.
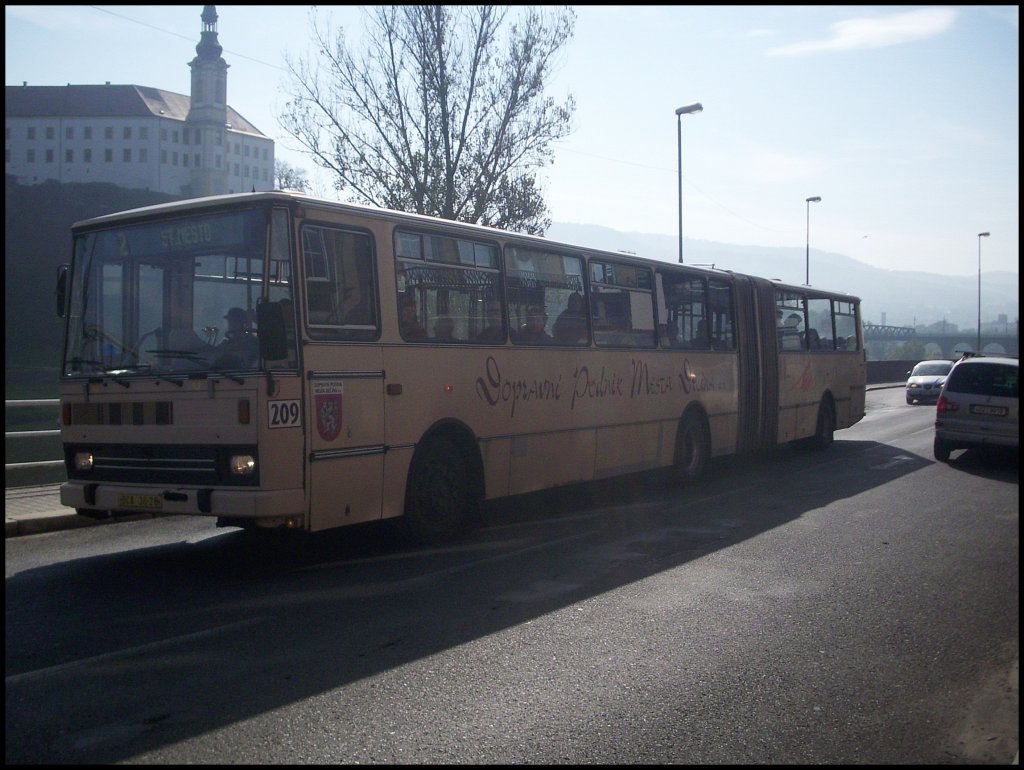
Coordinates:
x,y
232,503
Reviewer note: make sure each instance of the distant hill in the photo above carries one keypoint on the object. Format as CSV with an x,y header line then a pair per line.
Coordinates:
x,y
903,297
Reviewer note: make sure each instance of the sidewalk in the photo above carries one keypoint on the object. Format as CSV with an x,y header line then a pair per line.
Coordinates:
x,y
32,510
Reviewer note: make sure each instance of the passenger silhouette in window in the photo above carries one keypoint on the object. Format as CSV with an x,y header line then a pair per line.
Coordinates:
x,y
571,326
408,319
534,331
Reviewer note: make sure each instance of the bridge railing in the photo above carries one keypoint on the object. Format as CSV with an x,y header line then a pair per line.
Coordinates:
x,y
32,451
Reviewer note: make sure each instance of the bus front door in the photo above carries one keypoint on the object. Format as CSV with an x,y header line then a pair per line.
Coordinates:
x,y
345,437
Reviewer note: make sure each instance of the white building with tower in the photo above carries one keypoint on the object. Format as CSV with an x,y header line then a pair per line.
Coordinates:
x,y
140,137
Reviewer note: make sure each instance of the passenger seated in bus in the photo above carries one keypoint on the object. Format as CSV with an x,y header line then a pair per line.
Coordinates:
x,y
790,337
670,334
409,322
700,337
813,339
493,331
238,325
571,326
533,331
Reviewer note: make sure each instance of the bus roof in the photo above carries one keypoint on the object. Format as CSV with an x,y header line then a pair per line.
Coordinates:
x,y
422,220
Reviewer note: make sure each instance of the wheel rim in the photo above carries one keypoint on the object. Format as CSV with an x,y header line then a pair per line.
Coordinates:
x,y
440,493
691,449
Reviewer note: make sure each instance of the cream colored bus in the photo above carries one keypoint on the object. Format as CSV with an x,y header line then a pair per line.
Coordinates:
x,y
274,360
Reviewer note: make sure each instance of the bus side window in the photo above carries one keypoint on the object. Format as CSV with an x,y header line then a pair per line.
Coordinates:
x,y
341,293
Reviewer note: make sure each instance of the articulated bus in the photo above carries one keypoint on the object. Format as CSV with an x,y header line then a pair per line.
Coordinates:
x,y
277,361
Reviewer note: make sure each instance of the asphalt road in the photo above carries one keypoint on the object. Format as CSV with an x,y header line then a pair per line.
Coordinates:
x,y
859,605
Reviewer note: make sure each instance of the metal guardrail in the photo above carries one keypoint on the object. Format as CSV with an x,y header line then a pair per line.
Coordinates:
x,y
23,434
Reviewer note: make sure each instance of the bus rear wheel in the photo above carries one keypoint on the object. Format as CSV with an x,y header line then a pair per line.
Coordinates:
x,y
439,499
825,428
693,449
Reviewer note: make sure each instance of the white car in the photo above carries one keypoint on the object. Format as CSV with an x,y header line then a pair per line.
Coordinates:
x,y
978,405
925,380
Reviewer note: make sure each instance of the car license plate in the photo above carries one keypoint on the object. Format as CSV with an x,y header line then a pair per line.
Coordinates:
x,y
995,411
147,502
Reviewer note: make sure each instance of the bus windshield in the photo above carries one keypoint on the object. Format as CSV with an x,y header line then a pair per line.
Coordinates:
x,y
174,296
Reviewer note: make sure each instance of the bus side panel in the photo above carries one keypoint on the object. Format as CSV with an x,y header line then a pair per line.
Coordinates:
x,y
345,437
850,369
497,458
631,448
800,391
345,491
542,460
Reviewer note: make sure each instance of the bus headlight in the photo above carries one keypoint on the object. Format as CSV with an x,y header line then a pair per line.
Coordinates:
x,y
242,465
83,461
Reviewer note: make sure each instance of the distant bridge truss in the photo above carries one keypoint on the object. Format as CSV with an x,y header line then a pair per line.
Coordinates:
x,y
942,345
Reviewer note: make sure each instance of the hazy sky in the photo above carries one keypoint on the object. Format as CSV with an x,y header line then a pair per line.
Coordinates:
x,y
904,119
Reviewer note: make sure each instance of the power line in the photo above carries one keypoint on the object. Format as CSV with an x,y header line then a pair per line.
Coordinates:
x,y
190,38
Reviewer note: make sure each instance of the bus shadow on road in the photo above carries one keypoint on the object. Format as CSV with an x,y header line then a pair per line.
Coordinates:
x,y
220,630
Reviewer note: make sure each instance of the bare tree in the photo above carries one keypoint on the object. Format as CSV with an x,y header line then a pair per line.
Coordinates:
x,y
443,113
288,177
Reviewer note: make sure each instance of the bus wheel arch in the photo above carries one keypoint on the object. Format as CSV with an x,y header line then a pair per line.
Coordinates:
x,y
693,445
444,488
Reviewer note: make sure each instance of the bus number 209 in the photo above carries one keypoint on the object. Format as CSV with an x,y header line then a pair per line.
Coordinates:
x,y
283,414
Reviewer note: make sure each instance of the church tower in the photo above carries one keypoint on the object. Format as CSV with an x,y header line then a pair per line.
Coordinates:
x,y
206,124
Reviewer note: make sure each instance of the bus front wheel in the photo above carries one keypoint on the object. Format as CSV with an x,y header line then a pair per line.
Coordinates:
x,y
439,499
693,449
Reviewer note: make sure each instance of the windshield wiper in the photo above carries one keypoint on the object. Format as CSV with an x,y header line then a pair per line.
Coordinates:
x,y
188,355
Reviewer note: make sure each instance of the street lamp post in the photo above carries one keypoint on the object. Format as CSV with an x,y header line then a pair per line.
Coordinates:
x,y
807,269
980,236
690,108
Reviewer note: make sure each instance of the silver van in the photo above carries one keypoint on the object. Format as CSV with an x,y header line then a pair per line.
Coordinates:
x,y
978,405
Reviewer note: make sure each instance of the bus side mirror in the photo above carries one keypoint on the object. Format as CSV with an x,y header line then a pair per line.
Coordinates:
x,y
272,335
62,289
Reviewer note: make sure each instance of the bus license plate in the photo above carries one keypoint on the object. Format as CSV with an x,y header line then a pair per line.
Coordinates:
x,y
995,411
147,502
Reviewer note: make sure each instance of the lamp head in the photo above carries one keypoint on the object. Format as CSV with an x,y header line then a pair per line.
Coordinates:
x,y
983,235
698,107
815,199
